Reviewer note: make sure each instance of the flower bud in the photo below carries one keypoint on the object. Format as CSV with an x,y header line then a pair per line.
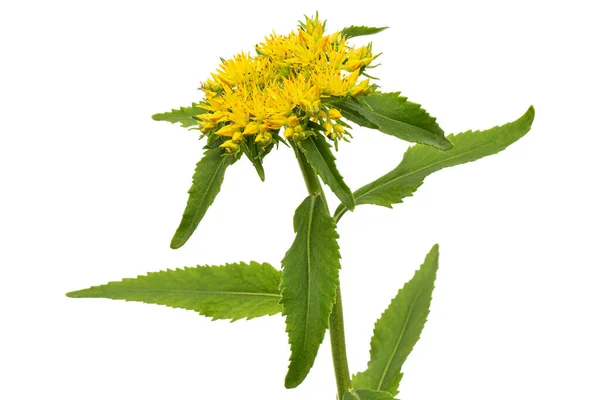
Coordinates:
x,y
230,146
264,139
251,128
276,121
237,136
361,88
228,130
334,113
352,65
293,121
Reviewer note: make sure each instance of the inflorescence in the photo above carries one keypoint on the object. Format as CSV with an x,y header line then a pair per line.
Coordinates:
x,y
286,86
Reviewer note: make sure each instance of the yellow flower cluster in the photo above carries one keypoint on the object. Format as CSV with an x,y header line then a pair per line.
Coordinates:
x,y
282,87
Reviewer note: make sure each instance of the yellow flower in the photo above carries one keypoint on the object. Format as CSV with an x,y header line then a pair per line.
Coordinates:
x,y
285,86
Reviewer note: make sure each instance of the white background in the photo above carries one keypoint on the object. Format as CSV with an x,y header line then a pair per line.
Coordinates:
x,y
92,190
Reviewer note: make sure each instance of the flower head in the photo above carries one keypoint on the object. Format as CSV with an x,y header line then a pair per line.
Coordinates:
x,y
284,88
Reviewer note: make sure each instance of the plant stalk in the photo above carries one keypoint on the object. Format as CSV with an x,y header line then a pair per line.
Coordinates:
x,y
336,319
338,346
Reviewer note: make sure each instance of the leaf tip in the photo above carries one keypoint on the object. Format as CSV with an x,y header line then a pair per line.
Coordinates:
x,y
446,145
74,295
435,251
293,380
177,242
531,112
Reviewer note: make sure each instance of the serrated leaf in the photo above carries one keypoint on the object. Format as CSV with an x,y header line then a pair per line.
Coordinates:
x,y
366,394
185,115
308,285
319,156
394,115
232,291
353,31
419,161
399,329
206,184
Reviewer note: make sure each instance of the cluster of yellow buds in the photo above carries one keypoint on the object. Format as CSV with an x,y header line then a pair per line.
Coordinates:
x,y
359,58
333,130
248,100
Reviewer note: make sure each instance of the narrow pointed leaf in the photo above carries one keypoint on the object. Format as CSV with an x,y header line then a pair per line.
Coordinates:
x,y
308,285
185,115
353,31
319,155
419,161
394,115
232,291
251,151
398,330
366,394
206,184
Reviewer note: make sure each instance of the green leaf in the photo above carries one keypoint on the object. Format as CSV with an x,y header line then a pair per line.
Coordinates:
x,y
419,161
398,329
394,115
352,115
206,184
353,31
232,291
185,115
366,394
319,155
251,151
308,285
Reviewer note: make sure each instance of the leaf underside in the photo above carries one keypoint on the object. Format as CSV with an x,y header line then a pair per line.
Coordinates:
x,y
206,184
232,291
367,394
392,114
419,161
185,115
319,155
308,285
399,329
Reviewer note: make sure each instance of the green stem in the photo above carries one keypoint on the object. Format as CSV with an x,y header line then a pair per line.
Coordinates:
x,y
336,319
310,177
338,346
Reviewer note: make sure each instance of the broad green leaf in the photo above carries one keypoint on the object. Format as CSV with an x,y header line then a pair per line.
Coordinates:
x,y
308,285
419,161
232,291
366,394
185,115
319,155
206,184
398,329
352,115
353,31
392,114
